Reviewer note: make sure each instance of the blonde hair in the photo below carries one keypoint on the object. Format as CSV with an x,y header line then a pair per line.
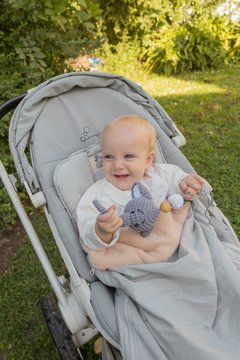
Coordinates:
x,y
136,120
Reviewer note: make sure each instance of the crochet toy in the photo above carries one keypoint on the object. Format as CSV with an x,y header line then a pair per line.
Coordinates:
x,y
140,212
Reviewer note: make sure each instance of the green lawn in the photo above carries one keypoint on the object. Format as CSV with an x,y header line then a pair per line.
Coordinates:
x,y
206,108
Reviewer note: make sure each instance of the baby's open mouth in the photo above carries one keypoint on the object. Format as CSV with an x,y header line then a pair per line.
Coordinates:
x,y
121,176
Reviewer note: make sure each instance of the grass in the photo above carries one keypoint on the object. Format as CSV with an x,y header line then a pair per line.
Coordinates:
x,y
205,106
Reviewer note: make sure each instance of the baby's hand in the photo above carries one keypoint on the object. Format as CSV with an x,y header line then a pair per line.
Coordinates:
x,y
191,185
107,224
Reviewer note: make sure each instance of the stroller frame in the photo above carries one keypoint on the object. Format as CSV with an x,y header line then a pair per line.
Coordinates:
x,y
73,312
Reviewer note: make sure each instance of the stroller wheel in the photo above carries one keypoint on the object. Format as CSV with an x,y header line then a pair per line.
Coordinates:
x,y
58,330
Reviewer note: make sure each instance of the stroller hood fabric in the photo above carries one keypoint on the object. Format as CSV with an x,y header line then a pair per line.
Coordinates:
x,y
30,108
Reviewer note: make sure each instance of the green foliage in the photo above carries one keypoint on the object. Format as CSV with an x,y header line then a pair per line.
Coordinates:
x,y
7,214
160,54
36,39
231,40
120,19
186,48
174,36
188,38
198,49
122,58
39,34
30,54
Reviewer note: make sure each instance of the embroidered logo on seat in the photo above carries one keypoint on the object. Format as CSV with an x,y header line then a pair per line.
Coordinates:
x,y
96,161
86,134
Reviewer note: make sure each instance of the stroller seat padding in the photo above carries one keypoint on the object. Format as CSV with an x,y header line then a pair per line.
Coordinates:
x,y
71,181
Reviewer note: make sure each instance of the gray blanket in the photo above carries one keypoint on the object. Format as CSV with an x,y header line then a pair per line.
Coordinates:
x,y
188,307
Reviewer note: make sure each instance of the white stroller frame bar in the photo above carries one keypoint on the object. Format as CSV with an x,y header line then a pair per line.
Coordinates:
x,y
31,233
76,315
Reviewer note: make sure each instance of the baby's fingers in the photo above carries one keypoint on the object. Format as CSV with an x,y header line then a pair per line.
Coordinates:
x,y
199,180
111,225
190,193
195,182
108,215
115,224
183,186
114,220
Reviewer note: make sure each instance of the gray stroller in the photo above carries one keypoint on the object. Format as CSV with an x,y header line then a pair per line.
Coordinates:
x,y
54,141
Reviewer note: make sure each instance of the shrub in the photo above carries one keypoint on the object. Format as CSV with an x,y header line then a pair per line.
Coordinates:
x,y
184,48
122,59
36,38
231,42
44,34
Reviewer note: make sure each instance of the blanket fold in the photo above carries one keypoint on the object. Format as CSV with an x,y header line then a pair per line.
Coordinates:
x,y
185,308
132,248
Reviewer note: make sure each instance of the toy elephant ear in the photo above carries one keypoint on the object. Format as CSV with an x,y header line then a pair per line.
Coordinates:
x,y
139,190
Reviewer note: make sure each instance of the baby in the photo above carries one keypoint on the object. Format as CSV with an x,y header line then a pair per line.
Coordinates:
x,y
128,152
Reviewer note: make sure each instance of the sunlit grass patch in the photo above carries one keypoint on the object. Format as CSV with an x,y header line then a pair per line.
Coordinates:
x,y
173,86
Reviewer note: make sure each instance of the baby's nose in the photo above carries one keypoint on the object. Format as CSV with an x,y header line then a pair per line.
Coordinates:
x,y
118,164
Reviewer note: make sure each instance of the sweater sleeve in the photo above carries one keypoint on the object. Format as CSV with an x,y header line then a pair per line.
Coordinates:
x,y
86,219
171,174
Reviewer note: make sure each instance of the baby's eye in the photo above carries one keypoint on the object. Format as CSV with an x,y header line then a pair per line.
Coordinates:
x,y
107,157
129,156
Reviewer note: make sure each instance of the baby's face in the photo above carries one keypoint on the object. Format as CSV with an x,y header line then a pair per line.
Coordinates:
x,y
126,155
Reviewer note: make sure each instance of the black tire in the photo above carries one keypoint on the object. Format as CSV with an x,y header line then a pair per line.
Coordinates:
x,y
58,330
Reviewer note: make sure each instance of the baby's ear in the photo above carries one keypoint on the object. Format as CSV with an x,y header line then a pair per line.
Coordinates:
x,y
150,158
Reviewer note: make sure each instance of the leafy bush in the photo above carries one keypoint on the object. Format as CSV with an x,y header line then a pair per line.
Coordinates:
x,y
36,38
174,36
44,34
160,55
189,45
231,40
122,58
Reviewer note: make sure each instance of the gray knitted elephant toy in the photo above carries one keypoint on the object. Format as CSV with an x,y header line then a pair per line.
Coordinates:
x,y
140,212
